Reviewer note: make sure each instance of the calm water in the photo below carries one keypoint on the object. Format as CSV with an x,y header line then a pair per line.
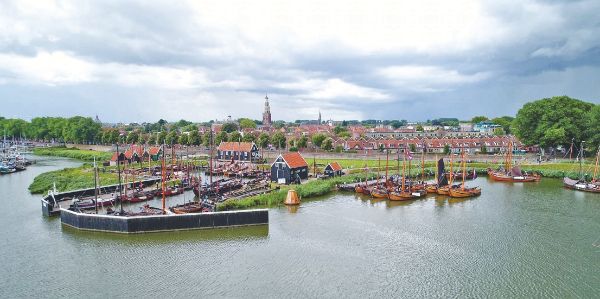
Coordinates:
x,y
535,240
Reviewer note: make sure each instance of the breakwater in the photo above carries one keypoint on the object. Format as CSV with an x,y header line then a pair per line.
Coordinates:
x,y
50,202
162,223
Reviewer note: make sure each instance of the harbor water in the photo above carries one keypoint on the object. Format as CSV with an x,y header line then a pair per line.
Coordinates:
x,y
514,241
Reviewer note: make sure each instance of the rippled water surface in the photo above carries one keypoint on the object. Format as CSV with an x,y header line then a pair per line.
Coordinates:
x,y
532,240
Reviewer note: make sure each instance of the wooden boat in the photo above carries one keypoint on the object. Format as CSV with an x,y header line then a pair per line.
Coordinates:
x,y
379,192
511,173
358,189
399,195
471,175
581,184
403,192
463,191
192,207
431,188
445,190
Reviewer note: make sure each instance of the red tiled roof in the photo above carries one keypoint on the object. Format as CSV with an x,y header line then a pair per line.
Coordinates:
x,y
114,157
294,160
154,150
236,146
335,166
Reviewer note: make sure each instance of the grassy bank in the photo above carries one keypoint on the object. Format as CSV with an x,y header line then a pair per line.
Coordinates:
x,y
84,155
310,189
321,187
70,179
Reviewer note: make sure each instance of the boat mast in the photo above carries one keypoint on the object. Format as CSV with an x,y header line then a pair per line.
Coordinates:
x,y
464,169
163,174
403,171
211,161
119,173
596,167
423,162
387,160
437,165
451,173
581,161
571,150
95,185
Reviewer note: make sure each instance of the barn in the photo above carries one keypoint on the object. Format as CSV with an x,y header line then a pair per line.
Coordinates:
x,y
289,168
117,156
333,169
238,151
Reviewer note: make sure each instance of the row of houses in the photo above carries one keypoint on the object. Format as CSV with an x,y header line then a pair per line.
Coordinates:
x,y
136,154
432,145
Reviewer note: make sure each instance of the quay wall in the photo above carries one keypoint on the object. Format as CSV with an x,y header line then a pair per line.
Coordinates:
x,y
161,223
103,189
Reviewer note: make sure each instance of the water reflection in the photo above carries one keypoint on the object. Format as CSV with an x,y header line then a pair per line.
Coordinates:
x,y
293,209
201,235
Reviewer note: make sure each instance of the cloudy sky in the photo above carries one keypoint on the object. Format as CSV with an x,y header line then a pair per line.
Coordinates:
x,y
199,60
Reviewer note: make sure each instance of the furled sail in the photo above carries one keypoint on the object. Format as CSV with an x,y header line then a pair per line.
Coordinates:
x,y
516,171
442,180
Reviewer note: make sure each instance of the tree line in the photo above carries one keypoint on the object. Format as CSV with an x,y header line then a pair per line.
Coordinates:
x,y
76,129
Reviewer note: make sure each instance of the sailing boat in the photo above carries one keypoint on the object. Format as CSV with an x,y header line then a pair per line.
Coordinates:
x,y
379,191
200,206
464,191
440,180
445,190
404,193
360,188
581,184
511,173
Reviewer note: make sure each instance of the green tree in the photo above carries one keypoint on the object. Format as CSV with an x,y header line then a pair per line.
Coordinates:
x,y
221,137
263,140
171,138
499,132
420,128
539,122
206,139
194,138
229,127
278,124
162,137
151,139
505,122
553,136
278,140
593,127
235,136
246,123
183,139
318,139
302,142
249,138
413,147
327,144
293,142
478,119
339,129
133,137
446,149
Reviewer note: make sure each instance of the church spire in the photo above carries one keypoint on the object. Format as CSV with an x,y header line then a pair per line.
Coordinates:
x,y
267,113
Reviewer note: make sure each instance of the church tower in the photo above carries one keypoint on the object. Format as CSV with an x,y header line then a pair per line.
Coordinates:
x,y
319,117
267,113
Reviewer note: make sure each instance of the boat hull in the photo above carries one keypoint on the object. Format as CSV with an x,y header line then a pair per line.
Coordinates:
x,y
503,177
